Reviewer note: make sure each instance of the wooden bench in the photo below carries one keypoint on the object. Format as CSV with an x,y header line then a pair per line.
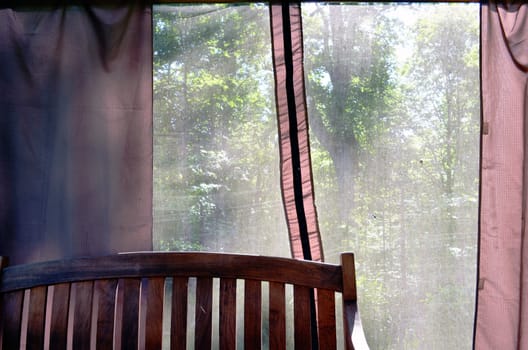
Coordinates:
x,y
129,301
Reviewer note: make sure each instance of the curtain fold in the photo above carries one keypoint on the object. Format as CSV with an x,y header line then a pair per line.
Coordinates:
x,y
502,312
75,132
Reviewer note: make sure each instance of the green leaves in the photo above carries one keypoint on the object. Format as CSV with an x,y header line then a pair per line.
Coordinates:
x,y
394,115
216,156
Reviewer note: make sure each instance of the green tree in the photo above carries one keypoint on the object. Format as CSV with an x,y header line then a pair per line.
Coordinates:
x,y
215,127
350,89
444,107
407,123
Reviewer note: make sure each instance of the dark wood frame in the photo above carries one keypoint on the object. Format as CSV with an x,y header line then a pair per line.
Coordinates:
x,y
119,300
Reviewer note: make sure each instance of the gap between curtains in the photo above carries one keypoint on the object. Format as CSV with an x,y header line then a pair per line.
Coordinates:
x,y
75,132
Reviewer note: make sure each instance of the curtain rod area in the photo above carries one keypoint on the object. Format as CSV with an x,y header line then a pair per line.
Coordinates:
x,y
58,3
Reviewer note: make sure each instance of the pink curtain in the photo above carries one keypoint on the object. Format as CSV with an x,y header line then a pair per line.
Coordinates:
x,y
502,311
75,132
296,173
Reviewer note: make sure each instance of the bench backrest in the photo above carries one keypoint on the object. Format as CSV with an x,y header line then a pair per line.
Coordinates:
x,y
124,301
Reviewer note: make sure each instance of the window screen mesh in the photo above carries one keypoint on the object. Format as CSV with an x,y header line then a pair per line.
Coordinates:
x,y
393,97
215,144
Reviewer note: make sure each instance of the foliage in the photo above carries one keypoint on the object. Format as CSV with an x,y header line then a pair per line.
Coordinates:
x,y
179,245
216,146
394,118
397,182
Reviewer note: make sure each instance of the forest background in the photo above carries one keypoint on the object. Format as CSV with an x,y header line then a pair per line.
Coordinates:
x,y
394,111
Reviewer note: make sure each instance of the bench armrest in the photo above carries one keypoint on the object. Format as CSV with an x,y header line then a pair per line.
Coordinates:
x,y
354,334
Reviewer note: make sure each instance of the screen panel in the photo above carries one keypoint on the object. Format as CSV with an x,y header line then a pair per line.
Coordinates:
x,y
393,104
216,157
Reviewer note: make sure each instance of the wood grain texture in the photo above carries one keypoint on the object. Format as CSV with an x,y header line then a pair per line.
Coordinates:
x,y
252,314
140,265
154,292
277,316
60,299
180,289
203,315
36,317
227,312
349,277
326,321
81,312
118,301
127,314
11,319
301,310
104,306
354,334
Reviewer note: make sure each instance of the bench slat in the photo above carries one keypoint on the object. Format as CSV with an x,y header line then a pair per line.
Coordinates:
x,y
179,313
227,313
81,312
326,319
36,314
104,303
308,273
354,335
277,316
301,309
127,314
203,316
60,300
252,314
118,302
153,290
11,319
